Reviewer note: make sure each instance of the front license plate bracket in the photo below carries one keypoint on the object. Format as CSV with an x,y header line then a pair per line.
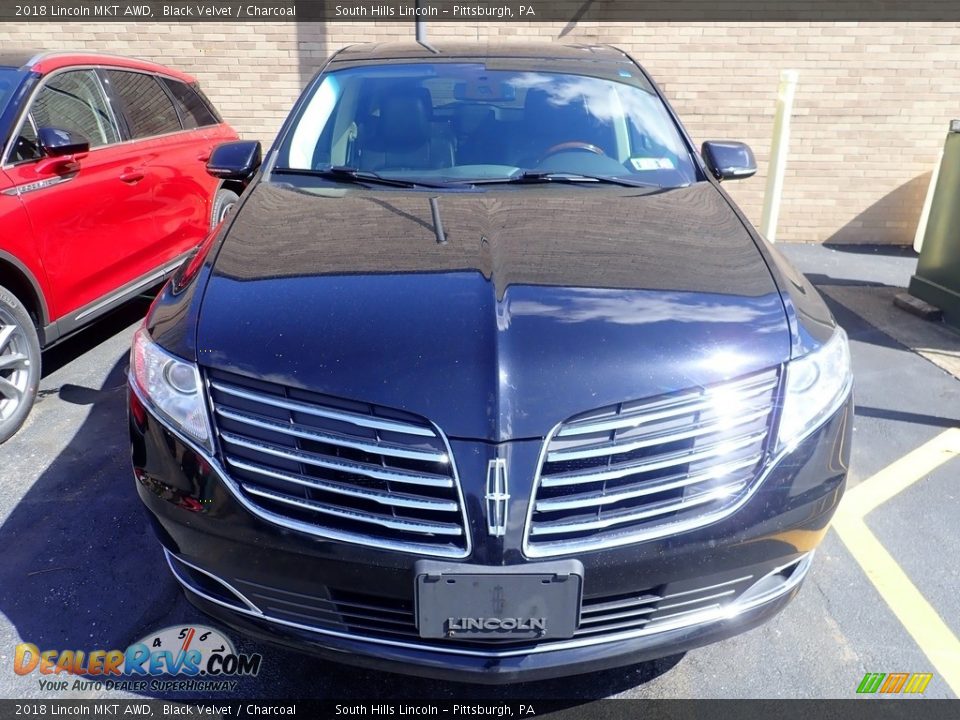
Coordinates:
x,y
539,601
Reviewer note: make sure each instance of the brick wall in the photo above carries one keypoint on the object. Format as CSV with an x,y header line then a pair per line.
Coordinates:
x,y
871,109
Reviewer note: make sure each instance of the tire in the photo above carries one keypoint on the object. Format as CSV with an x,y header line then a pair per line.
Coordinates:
x,y
19,364
222,204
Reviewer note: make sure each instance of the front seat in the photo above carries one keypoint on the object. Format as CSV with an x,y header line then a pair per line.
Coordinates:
x,y
403,136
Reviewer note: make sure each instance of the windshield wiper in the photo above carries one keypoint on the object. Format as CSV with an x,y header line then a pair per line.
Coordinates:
x,y
533,177
354,176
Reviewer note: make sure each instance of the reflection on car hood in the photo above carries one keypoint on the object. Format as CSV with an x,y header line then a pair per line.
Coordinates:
x,y
540,302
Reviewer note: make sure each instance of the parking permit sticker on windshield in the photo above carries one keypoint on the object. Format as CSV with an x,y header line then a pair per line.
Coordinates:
x,y
652,163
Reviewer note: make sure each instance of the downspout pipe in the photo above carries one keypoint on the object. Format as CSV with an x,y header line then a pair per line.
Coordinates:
x,y
421,24
779,147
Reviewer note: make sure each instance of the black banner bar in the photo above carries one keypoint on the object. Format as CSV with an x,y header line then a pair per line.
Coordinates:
x,y
193,11
862,709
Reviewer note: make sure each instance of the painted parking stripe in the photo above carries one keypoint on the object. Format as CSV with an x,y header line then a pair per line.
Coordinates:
x,y
898,476
917,616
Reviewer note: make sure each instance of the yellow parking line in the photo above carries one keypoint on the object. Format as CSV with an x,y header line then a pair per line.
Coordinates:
x,y
913,611
918,616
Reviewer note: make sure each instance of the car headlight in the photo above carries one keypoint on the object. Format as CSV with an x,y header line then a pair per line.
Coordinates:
x,y
816,384
172,388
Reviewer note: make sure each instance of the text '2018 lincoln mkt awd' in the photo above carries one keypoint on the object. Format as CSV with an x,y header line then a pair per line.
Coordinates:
x,y
486,378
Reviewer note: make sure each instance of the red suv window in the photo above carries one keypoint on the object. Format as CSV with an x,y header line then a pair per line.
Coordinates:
x,y
147,107
193,110
71,101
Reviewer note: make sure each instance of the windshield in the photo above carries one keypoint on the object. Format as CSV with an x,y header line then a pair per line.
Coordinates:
x,y
9,81
473,121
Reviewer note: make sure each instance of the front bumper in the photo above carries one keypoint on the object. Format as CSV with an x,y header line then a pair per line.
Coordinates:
x,y
307,593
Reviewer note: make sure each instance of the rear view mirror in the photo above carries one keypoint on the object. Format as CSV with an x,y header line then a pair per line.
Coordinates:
x,y
728,160
484,90
56,142
237,160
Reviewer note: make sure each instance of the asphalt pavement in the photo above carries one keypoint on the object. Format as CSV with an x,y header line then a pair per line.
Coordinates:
x,y
81,569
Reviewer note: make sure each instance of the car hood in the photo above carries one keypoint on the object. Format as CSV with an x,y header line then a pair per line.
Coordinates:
x,y
533,304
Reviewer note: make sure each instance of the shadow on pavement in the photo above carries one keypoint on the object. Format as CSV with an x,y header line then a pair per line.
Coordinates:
x,y
867,312
88,338
906,251
78,570
858,329
820,280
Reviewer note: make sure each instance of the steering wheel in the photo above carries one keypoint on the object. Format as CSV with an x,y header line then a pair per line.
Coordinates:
x,y
572,145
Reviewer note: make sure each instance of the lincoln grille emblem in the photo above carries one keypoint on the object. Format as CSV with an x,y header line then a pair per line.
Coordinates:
x,y
497,497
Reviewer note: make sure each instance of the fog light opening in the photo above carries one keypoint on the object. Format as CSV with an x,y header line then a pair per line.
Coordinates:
x,y
208,585
775,583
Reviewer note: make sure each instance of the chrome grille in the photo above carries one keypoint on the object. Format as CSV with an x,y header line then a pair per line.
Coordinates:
x,y
645,469
344,470
656,608
395,618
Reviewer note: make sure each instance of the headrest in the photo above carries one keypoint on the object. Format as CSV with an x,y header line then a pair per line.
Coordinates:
x,y
536,103
405,117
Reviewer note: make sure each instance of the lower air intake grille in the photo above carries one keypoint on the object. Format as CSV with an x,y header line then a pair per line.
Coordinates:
x,y
395,619
639,470
345,470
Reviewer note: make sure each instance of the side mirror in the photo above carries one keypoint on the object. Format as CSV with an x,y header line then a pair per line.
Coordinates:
x,y
236,160
56,142
728,160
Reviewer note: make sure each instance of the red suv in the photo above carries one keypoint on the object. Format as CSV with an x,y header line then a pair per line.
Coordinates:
x,y
103,191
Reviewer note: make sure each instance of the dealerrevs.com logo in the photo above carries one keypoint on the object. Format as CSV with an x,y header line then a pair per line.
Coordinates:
x,y
178,658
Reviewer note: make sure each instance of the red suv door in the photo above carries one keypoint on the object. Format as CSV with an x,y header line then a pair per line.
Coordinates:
x,y
87,220
174,148
205,131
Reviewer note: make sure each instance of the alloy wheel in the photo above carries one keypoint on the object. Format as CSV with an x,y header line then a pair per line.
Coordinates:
x,y
224,210
14,365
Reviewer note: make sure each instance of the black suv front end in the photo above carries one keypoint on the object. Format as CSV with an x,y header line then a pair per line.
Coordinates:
x,y
488,428
342,601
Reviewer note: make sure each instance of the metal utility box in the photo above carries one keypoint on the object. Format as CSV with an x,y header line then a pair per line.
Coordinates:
x,y
937,280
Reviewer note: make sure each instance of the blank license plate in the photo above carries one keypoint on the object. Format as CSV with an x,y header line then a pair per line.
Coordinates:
x,y
506,606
